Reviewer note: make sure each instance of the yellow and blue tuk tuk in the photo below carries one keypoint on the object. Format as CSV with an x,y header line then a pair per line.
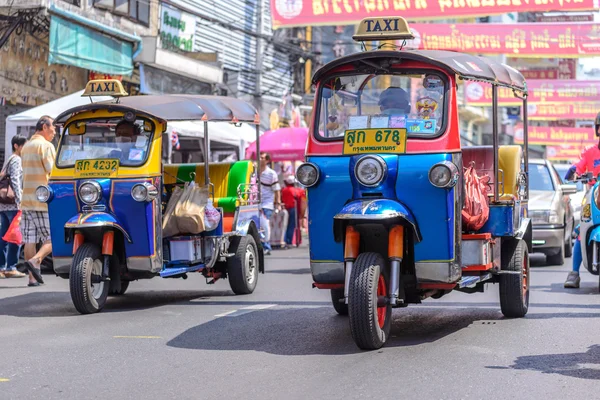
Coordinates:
x,y
108,191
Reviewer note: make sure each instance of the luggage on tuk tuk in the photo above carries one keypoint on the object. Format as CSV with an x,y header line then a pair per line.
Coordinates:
x,y
476,211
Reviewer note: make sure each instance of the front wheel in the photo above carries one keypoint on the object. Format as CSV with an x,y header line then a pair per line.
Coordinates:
x,y
124,286
514,286
370,313
88,294
243,267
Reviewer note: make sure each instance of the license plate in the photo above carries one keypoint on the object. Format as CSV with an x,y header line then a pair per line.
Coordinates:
x,y
96,168
386,140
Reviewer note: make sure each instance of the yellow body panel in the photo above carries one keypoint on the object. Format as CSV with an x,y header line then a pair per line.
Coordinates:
x,y
152,166
509,161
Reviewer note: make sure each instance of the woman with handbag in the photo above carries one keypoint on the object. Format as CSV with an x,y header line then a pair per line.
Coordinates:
x,y
11,190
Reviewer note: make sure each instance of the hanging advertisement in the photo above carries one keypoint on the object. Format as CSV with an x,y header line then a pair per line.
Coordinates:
x,y
557,111
548,135
293,13
564,152
540,91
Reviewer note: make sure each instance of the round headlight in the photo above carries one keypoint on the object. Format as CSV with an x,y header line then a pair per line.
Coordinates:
x,y
370,170
90,192
42,193
307,174
443,175
144,192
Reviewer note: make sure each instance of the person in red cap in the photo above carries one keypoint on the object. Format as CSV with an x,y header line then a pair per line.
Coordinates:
x,y
290,196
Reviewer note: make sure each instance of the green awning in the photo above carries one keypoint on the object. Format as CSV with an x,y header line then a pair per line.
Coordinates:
x,y
83,47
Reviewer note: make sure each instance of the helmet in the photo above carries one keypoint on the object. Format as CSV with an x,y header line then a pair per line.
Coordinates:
x,y
597,124
396,96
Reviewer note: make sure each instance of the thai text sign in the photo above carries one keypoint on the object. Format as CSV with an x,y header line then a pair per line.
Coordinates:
x,y
557,111
556,136
287,13
177,29
540,40
564,152
540,91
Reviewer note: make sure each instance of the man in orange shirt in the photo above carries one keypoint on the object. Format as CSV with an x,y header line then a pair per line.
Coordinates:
x,y
290,196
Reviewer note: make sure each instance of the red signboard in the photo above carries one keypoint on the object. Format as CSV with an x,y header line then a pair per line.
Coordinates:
x,y
564,18
538,40
561,111
564,152
288,13
556,136
541,74
540,91
567,68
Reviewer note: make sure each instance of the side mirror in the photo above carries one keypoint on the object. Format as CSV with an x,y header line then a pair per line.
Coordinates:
x,y
568,189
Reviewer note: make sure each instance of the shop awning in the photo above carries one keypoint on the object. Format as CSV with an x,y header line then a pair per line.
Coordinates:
x,y
75,41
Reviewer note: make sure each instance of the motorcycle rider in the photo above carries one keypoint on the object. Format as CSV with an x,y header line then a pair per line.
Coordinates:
x,y
589,162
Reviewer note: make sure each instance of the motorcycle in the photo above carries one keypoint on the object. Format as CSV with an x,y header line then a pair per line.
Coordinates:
x,y
589,228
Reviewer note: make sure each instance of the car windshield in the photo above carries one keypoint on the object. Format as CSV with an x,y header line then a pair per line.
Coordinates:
x,y
539,178
562,171
117,139
413,101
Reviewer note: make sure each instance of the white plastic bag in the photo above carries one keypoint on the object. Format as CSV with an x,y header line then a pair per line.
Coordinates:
x,y
212,216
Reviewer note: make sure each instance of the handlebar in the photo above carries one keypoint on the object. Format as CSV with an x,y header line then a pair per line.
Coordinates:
x,y
585,178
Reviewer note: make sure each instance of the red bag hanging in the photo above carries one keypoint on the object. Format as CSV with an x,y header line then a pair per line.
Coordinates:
x,y
476,211
13,234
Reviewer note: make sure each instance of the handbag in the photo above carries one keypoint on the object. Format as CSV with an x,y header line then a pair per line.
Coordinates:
x,y
7,195
13,233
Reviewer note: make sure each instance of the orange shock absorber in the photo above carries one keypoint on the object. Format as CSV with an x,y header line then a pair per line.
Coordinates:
x,y
351,249
77,241
107,243
395,254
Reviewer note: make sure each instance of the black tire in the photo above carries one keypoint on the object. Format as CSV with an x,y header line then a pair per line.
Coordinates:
x,y
569,244
369,278
124,286
557,259
514,288
88,298
243,267
336,296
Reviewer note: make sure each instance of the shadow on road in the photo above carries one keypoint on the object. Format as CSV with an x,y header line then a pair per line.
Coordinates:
x,y
297,271
586,288
576,365
319,331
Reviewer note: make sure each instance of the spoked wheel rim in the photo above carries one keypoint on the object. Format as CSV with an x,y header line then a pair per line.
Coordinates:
x,y
250,264
381,310
525,277
96,289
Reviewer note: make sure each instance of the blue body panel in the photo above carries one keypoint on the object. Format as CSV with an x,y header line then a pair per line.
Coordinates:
x,y
595,235
501,220
407,184
135,218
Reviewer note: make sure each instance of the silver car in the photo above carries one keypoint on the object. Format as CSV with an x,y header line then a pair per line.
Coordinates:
x,y
551,212
577,198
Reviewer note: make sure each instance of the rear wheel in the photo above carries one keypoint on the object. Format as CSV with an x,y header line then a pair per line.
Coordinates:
x,y
87,292
370,313
514,286
243,267
124,286
337,297
569,243
558,258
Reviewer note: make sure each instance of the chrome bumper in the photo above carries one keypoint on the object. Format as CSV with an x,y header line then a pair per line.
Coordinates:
x,y
548,237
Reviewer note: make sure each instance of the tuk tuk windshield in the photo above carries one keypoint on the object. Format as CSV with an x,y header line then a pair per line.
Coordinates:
x,y
128,142
414,101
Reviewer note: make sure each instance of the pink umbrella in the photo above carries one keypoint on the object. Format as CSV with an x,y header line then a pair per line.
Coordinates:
x,y
284,144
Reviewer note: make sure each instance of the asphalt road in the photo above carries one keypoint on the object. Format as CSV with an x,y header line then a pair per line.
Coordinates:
x,y
168,339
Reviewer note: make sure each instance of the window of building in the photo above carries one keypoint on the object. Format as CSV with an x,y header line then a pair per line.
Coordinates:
x,y
74,2
137,10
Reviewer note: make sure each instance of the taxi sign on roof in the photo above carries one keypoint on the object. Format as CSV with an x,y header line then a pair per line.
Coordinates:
x,y
383,28
104,87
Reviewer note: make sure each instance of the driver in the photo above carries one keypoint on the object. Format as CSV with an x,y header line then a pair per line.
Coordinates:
x,y
589,162
394,101
126,133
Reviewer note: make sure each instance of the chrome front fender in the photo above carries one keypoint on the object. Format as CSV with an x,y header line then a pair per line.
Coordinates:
x,y
94,220
377,210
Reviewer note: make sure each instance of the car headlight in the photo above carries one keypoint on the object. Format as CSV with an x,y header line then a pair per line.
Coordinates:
x,y
144,192
307,174
370,170
444,174
43,194
544,217
553,217
90,192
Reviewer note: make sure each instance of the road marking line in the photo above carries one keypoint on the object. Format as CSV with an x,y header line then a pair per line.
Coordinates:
x,y
4,380
259,307
225,313
246,310
137,337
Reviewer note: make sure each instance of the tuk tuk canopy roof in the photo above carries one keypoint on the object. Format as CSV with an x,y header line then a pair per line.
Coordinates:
x,y
176,108
466,66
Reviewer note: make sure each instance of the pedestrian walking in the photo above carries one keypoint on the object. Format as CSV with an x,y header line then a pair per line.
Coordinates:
x,y
294,200
13,170
38,157
270,191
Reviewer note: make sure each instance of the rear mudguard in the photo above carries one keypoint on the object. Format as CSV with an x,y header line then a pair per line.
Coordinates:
x,y
93,220
379,210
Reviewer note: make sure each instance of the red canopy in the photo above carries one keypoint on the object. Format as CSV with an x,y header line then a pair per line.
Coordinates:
x,y
284,144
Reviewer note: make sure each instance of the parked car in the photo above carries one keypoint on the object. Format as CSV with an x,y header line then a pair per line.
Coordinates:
x,y
577,198
551,212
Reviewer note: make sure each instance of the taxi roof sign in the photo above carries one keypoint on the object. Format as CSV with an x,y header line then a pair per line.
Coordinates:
x,y
104,87
383,28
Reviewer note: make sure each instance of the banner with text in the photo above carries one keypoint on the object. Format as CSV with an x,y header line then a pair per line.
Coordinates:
x,y
289,13
540,91
552,112
564,152
548,135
